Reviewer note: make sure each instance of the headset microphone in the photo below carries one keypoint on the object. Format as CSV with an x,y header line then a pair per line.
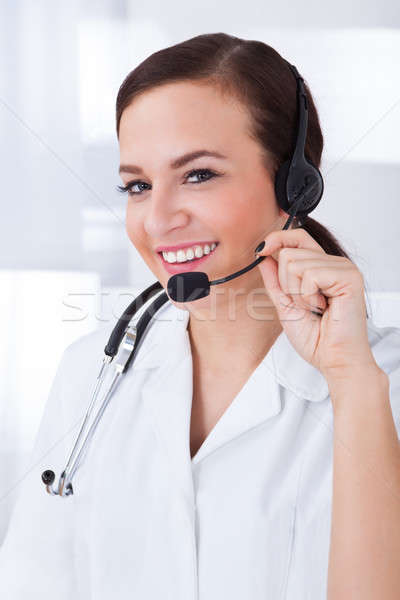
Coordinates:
x,y
298,188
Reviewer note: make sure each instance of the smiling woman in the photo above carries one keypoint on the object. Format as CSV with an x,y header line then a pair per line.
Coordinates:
x,y
253,450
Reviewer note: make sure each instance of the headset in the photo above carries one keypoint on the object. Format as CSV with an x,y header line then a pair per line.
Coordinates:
x,y
298,188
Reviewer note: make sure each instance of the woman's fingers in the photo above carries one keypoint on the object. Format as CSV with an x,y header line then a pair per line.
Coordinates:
x,y
290,281
307,274
295,253
288,247
289,238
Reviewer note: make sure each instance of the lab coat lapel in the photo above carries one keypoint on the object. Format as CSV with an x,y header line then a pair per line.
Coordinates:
x,y
294,373
282,373
168,394
257,401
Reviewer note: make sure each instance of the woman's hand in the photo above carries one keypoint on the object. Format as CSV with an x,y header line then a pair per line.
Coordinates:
x,y
301,277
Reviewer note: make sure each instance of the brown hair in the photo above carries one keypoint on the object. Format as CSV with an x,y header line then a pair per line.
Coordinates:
x,y
260,78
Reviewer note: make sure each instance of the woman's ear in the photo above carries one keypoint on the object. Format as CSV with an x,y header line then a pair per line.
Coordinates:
x,y
283,217
283,214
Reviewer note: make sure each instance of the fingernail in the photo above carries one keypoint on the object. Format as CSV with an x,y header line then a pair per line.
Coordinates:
x,y
259,247
318,308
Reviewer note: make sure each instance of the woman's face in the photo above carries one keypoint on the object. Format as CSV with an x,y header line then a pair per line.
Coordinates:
x,y
231,202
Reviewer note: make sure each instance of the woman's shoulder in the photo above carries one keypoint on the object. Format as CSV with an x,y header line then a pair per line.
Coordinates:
x,y
79,365
92,343
88,349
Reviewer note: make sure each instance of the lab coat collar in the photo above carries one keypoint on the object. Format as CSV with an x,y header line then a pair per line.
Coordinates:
x,y
168,339
294,373
168,391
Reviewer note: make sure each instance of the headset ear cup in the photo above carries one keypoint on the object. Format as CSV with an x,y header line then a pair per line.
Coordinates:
x,y
280,185
295,178
315,195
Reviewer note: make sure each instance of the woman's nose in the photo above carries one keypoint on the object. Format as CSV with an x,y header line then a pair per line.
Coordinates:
x,y
164,213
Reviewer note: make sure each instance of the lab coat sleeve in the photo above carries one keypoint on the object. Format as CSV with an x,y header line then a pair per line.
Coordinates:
x,y
394,394
388,358
37,556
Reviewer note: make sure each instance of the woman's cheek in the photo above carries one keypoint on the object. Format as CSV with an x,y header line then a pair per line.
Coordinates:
x,y
131,226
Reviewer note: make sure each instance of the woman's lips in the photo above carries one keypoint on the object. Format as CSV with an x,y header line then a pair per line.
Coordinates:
x,y
189,265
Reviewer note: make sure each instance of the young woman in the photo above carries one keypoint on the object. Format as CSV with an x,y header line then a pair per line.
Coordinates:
x,y
252,450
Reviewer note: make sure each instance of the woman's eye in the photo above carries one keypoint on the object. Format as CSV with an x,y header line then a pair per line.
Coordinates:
x,y
128,187
204,174
201,172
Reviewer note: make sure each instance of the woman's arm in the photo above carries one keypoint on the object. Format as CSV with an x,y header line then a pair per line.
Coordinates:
x,y
364,560
365,544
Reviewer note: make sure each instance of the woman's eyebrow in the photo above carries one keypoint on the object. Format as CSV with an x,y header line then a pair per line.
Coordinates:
x,y
177,162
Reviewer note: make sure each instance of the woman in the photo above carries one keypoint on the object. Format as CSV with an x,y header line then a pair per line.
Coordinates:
x,y
252,449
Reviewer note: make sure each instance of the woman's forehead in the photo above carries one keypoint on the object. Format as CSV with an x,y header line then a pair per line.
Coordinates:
x,y
180,119
182,105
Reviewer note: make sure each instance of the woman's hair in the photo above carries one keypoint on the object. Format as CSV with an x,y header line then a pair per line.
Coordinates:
x,y
256,75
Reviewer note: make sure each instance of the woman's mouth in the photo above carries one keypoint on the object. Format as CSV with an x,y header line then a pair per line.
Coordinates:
x,y
186,263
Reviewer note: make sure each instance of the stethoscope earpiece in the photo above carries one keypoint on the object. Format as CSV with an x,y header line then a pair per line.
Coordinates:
x,y
48,477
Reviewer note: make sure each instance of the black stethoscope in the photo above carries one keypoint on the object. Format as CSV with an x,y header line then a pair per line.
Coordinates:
x,y
298,188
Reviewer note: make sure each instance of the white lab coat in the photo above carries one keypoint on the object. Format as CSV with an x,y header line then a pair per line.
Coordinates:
x,y
247,517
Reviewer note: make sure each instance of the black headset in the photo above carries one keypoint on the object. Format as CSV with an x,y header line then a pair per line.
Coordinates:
x,y
298,188
298,177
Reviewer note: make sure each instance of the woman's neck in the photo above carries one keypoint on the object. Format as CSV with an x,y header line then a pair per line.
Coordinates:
x,y
237,334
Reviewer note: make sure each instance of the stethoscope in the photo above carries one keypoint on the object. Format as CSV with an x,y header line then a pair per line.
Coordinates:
x,y
298,188
119,353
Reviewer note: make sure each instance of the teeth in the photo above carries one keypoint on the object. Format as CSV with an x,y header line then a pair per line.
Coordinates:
x,y
170,256
181,256
189,253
